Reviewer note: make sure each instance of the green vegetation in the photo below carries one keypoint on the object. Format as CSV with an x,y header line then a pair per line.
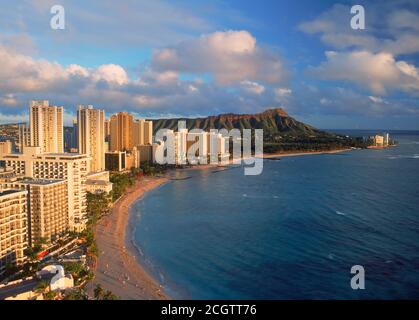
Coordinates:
x,y
121,182
79,272
97,206
77,294
101,294
327,142
153,169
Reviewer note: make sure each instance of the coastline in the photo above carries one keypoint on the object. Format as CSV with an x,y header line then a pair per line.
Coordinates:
x,y
296,154
118,267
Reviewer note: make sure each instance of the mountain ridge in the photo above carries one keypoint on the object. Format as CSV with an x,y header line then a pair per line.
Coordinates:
x,y
273,121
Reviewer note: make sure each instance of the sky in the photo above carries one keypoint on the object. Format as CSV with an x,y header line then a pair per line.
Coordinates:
x,y
197,58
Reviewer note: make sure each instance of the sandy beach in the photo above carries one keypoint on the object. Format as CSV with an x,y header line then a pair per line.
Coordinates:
x,y
117,268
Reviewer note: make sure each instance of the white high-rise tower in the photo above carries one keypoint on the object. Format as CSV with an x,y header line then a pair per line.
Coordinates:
x,y
91,136
46,126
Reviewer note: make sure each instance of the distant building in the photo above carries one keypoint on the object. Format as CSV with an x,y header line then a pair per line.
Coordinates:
x,y
24,137
46,126
69,139
91,134
13,227
380,141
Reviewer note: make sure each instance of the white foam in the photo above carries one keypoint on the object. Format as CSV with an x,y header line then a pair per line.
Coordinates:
x,y
340,213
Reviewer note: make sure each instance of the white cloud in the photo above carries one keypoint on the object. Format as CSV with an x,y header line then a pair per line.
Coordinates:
x,y
252,87
111,73
379,72
230,56
24,78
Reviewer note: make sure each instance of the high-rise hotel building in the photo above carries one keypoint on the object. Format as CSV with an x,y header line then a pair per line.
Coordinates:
x,y
71,167
121,128
91,136
47,208
138,132
46,126
148,132
13,227
142,133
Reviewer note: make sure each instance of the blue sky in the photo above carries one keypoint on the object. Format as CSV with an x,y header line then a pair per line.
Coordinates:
x,y
196,58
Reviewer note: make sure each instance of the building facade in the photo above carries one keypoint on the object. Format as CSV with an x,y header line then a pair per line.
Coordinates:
x,y
121,128
91,135
13,227
5,147
116,161
148,132
47,208
46,126
66,166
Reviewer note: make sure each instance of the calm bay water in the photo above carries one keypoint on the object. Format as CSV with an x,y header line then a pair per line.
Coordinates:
x,y
291,233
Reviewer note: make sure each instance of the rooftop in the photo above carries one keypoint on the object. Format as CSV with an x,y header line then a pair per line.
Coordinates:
x,y
43,182
8,192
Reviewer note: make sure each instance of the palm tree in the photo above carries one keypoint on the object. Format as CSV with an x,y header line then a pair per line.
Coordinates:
x,y
109,296
98,292
78,294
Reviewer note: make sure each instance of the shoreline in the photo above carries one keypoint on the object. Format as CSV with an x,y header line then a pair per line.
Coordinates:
x,y
119,267
296,154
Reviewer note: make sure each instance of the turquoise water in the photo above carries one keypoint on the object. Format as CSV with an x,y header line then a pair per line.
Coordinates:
x,y
291,233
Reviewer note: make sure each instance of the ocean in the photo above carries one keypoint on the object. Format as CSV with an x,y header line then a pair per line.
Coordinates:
x,y
293,232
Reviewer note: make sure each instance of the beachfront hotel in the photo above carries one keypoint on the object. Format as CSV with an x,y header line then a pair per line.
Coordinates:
x,y
47,208
121,138
13,227
124,132
71,167
91,136
46,126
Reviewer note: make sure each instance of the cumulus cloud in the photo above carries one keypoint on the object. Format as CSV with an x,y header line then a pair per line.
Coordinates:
x,y
109,86
230,56
379,72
